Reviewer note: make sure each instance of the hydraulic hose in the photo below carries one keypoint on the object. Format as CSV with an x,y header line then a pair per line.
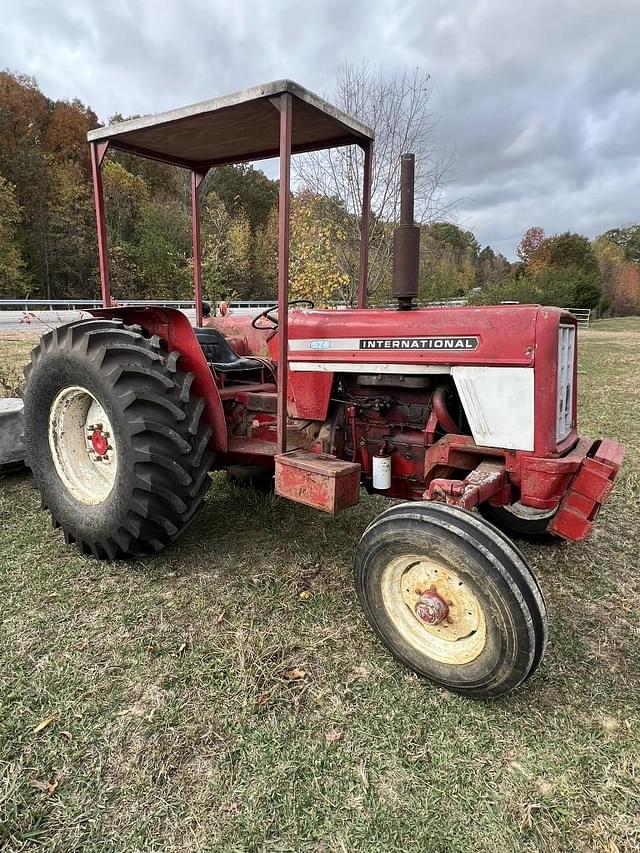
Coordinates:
x,y
439,403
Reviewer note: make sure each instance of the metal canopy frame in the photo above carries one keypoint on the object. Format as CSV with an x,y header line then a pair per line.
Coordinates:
x,y
277,119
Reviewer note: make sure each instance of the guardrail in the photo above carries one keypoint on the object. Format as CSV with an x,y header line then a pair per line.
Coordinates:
x,y
79,304
48,304
583,315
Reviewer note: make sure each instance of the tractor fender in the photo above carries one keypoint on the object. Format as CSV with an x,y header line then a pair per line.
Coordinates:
x,y
173,327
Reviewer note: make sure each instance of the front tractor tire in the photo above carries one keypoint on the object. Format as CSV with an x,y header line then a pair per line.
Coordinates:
x,y
452,598
115,438
520,521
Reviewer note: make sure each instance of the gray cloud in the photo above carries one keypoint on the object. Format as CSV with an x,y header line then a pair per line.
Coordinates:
x,y
540,102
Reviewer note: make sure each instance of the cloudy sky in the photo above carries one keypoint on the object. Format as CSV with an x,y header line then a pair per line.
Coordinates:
x,y
539,101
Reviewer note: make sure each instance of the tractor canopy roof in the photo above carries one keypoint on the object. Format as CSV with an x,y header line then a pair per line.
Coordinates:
x,y
235,128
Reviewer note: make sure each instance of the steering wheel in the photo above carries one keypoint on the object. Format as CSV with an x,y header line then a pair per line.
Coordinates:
x,y
267,314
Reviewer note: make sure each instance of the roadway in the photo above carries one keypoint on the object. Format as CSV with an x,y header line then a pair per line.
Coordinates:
x,y
38,322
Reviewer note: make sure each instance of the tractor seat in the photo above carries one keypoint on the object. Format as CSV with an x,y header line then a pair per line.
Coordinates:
x,y
219,354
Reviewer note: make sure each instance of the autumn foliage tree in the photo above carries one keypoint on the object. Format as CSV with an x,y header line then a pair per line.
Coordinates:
x,y
448,261
43,153
315,271
628,239
13,278
625,297
47,220
530,249
397,108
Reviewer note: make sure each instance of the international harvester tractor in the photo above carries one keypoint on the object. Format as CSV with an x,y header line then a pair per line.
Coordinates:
x,y
466,417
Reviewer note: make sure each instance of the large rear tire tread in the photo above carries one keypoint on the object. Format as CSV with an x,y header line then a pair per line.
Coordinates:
x,y
161,434
508,575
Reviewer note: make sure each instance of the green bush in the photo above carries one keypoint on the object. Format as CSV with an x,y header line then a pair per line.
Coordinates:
x,y
566,287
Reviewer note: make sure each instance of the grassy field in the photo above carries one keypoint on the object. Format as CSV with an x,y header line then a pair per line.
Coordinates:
x,y
229,696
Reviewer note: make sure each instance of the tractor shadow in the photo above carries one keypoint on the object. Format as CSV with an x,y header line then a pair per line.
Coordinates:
x,y
241,532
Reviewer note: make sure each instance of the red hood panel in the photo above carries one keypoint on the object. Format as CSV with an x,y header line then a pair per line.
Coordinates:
x,y
500,335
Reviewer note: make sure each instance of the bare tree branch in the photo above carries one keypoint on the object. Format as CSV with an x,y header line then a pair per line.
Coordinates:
x,y
396,108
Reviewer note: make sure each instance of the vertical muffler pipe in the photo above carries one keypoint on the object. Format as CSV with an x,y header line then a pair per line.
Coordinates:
x,y
406,240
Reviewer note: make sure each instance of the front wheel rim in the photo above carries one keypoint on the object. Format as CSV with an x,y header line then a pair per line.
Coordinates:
x,y
82,445
460,635
529,514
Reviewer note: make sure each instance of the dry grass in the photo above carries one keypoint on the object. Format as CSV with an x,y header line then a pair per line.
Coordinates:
x,y
177,724
15,352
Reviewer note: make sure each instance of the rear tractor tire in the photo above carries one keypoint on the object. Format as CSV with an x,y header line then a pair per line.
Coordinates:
x,y
452,598
115,438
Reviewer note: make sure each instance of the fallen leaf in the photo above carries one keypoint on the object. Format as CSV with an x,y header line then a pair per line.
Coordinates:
x,y
359,672
67,736
44,723
182,649
220,618
333,736
295,674
45,787
610,724
545,788
123,712
527,817
305,595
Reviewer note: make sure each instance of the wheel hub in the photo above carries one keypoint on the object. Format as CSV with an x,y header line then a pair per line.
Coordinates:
x,y
432,608
99,440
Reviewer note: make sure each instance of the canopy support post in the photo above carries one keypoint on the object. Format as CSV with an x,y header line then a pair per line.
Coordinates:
x,y
365,224
286,114
197,177
98,151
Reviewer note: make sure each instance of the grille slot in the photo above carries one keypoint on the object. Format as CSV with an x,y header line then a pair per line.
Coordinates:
x,y
566,355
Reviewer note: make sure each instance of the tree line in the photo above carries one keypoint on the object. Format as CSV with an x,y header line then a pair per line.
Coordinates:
x,y
47,219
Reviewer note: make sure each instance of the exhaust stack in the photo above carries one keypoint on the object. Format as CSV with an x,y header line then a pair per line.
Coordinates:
x,y
406,240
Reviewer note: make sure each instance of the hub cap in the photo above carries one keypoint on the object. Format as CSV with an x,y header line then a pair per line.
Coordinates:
x,y
82,445
434,609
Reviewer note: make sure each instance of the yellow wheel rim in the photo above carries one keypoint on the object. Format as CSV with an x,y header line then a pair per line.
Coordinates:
x,y
457,639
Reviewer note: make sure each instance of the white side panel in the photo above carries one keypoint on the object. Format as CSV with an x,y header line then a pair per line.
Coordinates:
x,y
498,403
566,350
366,367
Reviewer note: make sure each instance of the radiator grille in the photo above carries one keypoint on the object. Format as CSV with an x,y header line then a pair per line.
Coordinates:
x,y
566,355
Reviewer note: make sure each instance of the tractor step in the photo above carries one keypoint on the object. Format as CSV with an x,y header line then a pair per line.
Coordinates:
x,y
233,392
319,480
245,446
260,401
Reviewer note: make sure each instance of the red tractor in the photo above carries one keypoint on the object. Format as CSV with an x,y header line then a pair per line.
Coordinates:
x,y
467,415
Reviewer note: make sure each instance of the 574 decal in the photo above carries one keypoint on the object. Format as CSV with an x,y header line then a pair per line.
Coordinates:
x,y
448,343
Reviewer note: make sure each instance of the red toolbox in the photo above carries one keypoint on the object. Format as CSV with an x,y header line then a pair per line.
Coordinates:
x,y
317,479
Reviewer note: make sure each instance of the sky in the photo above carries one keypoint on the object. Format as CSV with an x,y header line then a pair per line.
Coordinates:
x,y
538,102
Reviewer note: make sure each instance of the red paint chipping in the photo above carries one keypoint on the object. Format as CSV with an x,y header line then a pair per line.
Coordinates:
x,y
318,480
432,608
